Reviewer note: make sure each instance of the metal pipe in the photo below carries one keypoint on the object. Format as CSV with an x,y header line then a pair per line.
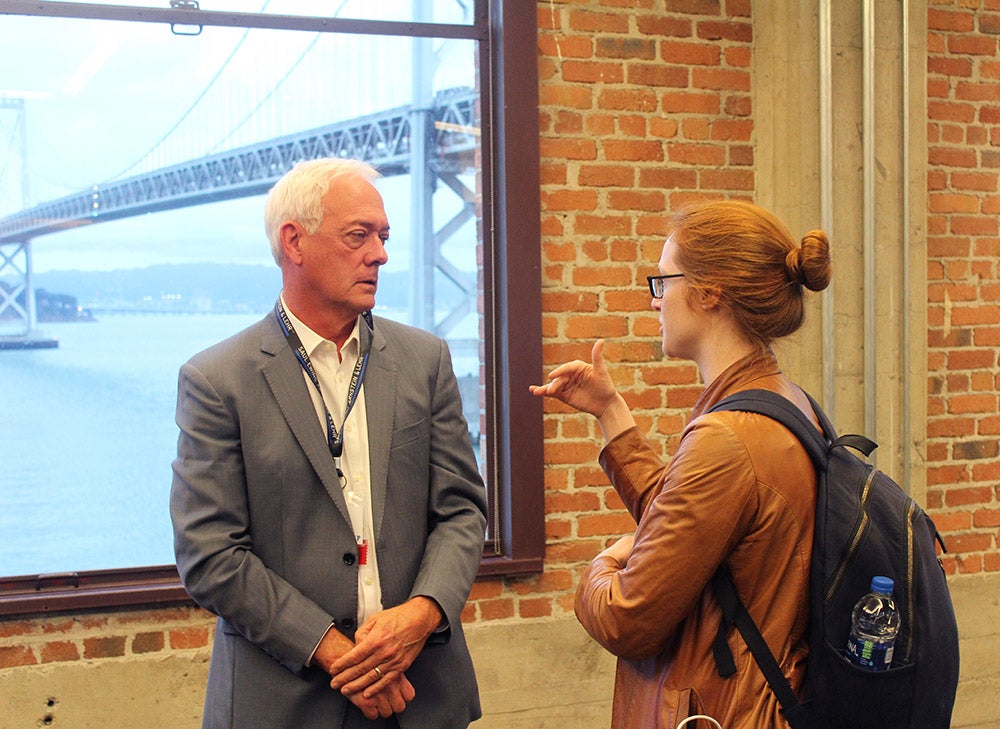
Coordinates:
x,y
907,384
868,213
826,200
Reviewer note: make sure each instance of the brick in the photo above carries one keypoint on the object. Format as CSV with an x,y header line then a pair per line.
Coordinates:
x,y
694,7
690,54
695,130
725,30
573,97
664,26
590,72
496,609
989,23
617,523
632,125
981,181
690,102
600,125
566,122
967,496
60,650
740,57
569,200
552,581
955,22
633,150
534,608
183,638
628,99
626,48
112,646
587,21
949,111
951,157
606,175
575,502
148,642
657,74
581,149
973,450
978,225
721,79
732,130
697,154
738,8
726,180
663,128
636,200
961,67
971,45
12,656
976,91
562,46
953,203
739,105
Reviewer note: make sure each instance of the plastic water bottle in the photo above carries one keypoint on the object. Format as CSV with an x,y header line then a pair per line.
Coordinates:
x,y
874,625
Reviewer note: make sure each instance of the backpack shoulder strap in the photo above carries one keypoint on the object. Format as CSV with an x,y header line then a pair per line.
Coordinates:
x,y
788,414
735,613
817,445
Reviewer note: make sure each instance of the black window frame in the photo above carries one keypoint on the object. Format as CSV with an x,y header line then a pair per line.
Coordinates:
x,y
507,36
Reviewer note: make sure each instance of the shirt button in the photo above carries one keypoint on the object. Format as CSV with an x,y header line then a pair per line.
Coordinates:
x,y
369,581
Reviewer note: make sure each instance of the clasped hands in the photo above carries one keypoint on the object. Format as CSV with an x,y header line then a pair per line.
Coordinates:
x,y
371,671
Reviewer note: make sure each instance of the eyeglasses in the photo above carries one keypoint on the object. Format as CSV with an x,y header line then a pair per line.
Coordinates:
x,y
657,283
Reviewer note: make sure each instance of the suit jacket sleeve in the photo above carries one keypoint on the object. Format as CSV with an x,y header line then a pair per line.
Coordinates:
x,y
212,539
457,502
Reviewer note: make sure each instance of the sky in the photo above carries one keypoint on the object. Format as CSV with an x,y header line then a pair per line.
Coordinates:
x,y
119,99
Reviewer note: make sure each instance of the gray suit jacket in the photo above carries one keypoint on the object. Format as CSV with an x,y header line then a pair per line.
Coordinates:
x,y
263,538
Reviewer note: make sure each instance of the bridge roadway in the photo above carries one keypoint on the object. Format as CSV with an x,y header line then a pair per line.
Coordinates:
x,y
383,139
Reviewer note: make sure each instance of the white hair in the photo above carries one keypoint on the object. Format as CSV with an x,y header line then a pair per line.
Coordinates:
x,y
298,196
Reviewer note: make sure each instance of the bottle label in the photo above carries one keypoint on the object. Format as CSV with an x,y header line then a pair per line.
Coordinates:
x,y
869,654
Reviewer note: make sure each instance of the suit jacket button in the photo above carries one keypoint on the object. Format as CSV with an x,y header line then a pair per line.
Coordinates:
x,y
347,623
349,558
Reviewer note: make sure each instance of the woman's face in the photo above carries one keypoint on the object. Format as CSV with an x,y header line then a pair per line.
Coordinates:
x,y
681,322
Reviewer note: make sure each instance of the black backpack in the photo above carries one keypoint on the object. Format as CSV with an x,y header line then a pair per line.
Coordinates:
x,y
866,525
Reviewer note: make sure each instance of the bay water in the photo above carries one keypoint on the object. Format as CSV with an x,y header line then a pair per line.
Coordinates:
x,y
87,435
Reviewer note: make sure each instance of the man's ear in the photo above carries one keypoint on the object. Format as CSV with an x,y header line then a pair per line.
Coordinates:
x,y
290,235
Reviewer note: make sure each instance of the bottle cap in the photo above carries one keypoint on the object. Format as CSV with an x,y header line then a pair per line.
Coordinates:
x,y
883,585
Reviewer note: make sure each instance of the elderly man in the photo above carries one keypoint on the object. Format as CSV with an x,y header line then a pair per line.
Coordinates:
x,y
326,501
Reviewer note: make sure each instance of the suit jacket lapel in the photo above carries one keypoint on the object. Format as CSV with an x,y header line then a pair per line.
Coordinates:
x,y
284,376
380,399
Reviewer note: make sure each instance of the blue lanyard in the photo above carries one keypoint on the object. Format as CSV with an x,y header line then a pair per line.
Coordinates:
x,y
334,439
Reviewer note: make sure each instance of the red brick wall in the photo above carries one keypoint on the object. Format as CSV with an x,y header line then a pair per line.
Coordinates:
x,y
963,237
643,105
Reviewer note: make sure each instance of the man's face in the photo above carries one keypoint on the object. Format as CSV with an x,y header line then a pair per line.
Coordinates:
x,y
341,260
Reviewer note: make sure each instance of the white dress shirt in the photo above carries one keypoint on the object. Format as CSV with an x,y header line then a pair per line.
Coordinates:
x,y
334,373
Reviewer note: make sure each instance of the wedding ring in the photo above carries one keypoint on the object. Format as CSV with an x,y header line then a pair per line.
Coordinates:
x,y
378,671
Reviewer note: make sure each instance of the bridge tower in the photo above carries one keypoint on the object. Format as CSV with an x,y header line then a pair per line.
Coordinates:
x,y
18,315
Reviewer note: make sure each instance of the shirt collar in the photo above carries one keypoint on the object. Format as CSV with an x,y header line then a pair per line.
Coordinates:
x,y
311,340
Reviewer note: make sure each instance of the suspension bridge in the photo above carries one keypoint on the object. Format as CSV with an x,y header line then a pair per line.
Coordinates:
x,y
438,143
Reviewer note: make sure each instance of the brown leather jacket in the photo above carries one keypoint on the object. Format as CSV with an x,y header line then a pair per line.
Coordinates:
x,y
740,490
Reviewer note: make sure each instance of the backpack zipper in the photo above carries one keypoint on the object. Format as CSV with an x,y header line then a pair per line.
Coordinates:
x,y
858,533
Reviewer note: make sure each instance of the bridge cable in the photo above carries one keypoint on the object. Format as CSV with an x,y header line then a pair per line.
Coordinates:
x,y
277,85
194,104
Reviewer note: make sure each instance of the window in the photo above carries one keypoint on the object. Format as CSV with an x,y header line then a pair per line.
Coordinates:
x,y
133,165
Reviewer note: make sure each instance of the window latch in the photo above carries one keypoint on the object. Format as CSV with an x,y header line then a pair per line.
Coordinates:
x,y
184,28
